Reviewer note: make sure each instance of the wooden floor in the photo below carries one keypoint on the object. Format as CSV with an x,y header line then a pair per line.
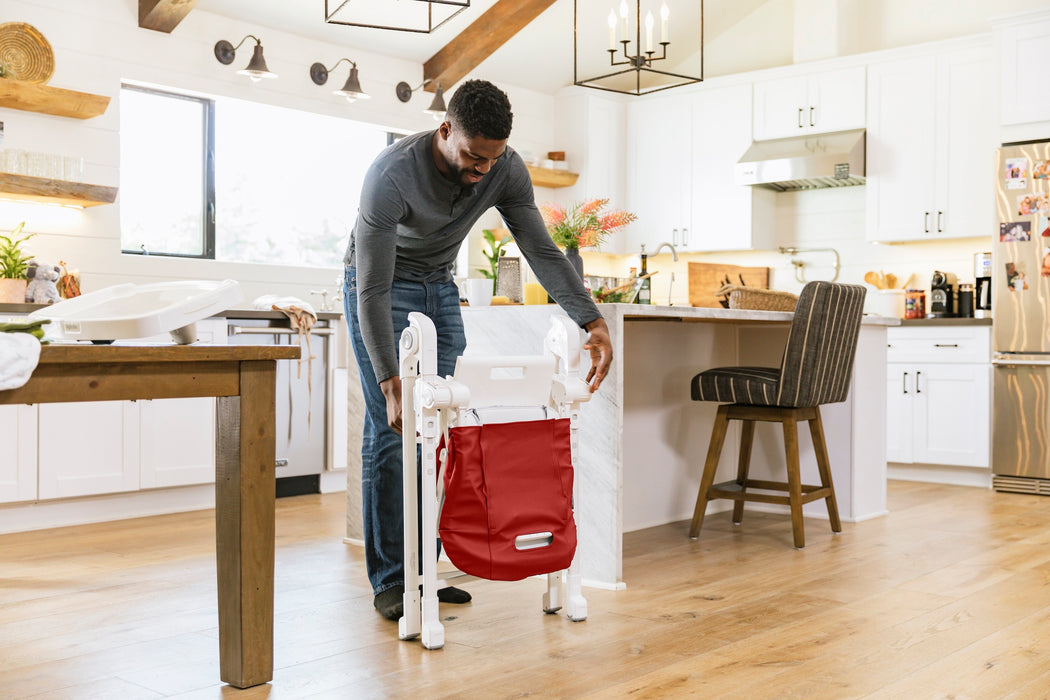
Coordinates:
x,y
947,597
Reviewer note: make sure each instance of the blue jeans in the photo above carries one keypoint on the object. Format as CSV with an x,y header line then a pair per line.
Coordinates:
x,y
381,470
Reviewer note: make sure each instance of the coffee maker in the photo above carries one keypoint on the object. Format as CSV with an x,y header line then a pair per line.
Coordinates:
x,y
942,295
982,272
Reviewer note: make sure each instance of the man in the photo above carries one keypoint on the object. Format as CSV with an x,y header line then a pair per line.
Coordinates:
x,y
418,202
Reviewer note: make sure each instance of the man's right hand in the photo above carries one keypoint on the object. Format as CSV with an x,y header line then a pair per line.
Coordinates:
x,y
392,391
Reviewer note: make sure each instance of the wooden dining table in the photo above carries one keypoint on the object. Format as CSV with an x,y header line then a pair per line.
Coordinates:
x,y
243,380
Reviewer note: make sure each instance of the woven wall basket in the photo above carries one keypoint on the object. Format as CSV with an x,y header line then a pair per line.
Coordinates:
x,y
756,299
25,54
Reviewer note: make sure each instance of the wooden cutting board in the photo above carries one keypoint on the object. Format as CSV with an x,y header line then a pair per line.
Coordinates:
x,y
707,278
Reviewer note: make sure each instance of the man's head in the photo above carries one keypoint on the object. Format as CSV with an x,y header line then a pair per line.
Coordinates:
x,y
475,132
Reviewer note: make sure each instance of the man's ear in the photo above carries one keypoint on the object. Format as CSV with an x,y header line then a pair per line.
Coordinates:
x,y
445,129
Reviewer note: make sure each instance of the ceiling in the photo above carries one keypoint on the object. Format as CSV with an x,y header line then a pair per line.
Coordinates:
x,y
540,57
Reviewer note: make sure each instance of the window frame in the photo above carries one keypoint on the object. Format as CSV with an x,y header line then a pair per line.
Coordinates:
x,y
208,201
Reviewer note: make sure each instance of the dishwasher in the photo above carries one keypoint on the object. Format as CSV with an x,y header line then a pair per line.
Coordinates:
x,y
301,397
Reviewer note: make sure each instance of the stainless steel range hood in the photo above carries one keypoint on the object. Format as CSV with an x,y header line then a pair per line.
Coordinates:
x,y
804,162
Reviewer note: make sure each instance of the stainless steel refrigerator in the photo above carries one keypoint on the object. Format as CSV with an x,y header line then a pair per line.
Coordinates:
x,y
1021,320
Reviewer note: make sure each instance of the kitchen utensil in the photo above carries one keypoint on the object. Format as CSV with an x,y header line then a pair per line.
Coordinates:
x,y
25,54
872,278
891,281
907,283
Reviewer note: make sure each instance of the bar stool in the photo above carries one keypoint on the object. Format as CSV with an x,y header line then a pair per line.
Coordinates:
x,y
815,370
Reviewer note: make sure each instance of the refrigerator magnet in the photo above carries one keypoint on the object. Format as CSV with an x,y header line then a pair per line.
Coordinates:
x,y
1016,280
1015,232
1016,173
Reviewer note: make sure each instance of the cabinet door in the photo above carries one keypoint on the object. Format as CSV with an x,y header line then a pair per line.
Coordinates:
x,y
660,167
836,100
900,390
88,448
1024,96
177,442
901,149
965,144
726,216
18,425
781,108
952,402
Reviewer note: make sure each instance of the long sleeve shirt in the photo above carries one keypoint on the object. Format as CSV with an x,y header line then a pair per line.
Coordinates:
x,y
412,221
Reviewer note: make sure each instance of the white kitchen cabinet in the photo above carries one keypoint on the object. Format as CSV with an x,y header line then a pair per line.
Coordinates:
x,y
938,393
591,127
810,104
176,442
725,215
85,452
930,141
659,167
1024,43
18,460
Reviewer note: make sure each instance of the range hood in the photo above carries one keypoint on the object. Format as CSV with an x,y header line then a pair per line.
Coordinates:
x,y
804,162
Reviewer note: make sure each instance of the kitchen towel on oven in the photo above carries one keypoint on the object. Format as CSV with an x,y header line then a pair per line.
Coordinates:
x,y
507,512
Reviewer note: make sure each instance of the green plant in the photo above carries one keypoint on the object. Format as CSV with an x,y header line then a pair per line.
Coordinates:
x,y
13,261
493,250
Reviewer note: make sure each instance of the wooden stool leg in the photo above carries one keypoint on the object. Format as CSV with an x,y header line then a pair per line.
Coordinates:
x,y
794,478
820,448
714,451
747,435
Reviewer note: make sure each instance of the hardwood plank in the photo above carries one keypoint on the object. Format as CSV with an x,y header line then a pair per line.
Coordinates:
x,y
47,190
948,595
46,99
478,41
163,15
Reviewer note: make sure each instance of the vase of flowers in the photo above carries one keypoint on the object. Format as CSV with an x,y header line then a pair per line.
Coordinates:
x,y
582,225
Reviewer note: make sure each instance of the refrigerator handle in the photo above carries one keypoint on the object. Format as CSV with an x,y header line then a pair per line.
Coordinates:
x,y
904,382
917,376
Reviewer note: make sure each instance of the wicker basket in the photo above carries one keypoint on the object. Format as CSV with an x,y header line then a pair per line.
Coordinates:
x,y
756,299
25,54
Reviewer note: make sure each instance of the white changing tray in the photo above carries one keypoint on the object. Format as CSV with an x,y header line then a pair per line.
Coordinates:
x,y
139,311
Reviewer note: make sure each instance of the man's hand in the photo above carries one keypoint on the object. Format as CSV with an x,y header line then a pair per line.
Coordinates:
x,y
392,391
600,346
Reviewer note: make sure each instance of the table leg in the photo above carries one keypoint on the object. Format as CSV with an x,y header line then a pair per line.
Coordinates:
x,y
244,526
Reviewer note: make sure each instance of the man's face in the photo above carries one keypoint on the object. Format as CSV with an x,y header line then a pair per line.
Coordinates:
x,y
465,160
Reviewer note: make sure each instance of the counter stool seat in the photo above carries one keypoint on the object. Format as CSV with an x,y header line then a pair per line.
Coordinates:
x,y
815,370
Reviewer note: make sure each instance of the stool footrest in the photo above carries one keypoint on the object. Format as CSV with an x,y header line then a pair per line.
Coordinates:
x,y
735,491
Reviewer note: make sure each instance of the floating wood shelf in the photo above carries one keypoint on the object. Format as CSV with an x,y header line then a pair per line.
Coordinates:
x,y
32,97
46,190
545,177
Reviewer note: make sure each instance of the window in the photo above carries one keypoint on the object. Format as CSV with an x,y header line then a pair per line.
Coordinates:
x,y
284,183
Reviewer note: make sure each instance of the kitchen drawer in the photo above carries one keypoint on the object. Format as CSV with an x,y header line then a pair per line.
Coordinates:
x,y
939,344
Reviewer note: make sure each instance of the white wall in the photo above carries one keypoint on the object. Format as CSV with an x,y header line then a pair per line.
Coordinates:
x,y
97,44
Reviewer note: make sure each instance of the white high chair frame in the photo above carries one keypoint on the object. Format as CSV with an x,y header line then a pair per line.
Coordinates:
x,y
431,404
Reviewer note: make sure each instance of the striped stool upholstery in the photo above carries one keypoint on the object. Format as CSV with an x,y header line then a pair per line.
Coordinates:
x,y
815,370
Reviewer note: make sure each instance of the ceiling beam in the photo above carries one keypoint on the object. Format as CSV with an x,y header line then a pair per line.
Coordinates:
x,y
163,15
478,41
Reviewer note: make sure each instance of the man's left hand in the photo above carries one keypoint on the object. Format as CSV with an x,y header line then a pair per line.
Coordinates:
x,y
600,346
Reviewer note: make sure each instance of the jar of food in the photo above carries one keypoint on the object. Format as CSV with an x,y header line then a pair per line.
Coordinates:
x,y
914,303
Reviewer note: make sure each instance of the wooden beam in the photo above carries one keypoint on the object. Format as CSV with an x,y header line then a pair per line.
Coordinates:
x,y
163,15
478,41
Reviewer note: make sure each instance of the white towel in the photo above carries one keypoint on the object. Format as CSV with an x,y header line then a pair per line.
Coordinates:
x,y
19,353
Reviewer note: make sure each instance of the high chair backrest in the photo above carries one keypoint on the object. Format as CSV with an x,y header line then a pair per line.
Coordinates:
x,y
507,381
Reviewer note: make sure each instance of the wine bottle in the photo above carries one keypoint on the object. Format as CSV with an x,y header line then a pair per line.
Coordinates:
x,y
645,292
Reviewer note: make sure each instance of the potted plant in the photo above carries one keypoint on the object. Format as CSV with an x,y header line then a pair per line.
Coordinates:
x,y
582,225
13,264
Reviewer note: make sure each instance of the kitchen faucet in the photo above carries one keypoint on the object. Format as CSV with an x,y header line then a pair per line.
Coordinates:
x,y
674,258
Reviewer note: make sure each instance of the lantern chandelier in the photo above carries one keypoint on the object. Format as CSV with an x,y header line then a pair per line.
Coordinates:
x,y
420,16
635,64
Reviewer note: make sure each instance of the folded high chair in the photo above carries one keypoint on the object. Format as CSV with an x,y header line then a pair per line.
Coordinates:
x,y
496,442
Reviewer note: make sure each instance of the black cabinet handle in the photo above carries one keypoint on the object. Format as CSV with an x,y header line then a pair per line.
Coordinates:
x,y
800,117
811,116
917,389
904,382
945,345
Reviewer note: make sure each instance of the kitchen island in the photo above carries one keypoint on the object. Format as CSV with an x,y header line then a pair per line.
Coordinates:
x,y
643,439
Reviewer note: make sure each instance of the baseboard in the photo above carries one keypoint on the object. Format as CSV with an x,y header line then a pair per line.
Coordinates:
x,y
979,477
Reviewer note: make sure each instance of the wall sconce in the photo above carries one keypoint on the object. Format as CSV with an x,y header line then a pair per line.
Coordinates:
x,y
437,106
256,68
351,90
